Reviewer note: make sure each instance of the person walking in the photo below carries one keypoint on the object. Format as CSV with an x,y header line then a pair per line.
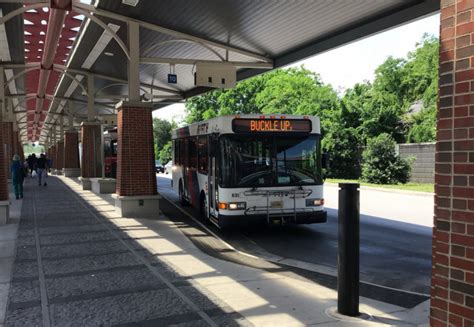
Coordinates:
x,y
42,169
18,176
32,163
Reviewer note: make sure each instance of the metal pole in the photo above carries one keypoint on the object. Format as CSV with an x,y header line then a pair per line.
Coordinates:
x,y
134,62
90,98
2,91
101,147
71,116
348,252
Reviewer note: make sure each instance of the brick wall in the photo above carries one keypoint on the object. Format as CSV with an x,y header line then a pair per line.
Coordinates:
x,y
135,158
91,148
60,155
452,292
3,169
422,169
71,149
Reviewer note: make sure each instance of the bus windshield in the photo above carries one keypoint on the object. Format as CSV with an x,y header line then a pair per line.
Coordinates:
x,y
277,160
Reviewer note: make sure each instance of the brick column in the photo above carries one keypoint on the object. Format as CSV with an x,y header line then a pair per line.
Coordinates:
x,y
452,285
91,166
7,130
136,178
54,156
4,204
49,154
59,157
71,154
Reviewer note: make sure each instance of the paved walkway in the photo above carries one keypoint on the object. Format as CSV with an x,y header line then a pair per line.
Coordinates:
x,y
78,264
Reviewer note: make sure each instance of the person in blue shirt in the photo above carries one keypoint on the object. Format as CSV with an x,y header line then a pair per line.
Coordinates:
x,y
18,176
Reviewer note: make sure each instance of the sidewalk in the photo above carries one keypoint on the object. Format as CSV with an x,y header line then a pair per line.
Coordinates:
x,y
8,236
78,263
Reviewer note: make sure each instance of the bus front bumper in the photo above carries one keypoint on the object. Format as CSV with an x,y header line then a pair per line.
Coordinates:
x,y
313,217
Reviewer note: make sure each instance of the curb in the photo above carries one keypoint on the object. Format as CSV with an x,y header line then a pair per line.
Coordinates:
x,y
386,190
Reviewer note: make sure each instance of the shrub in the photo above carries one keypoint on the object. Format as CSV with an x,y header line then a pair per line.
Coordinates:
x,y
381,164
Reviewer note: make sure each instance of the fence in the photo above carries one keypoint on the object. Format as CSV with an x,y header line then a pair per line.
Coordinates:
x,y
422,170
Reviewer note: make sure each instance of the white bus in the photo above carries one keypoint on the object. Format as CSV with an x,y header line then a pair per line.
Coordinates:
x,y
251,168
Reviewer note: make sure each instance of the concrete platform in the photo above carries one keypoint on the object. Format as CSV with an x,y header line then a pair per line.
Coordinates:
x,y
95,268
103,185
8,236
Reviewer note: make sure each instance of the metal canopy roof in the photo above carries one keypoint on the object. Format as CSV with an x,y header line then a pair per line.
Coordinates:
x,y
254,35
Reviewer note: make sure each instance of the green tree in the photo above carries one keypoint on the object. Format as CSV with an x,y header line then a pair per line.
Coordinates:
x,y
299,91
162,134
381,164
292,91
421,78
165,153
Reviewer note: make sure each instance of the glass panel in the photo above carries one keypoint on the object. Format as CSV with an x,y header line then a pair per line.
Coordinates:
x,y
296,160
202,154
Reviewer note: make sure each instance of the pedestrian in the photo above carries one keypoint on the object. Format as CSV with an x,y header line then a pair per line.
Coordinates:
x,y
42,169
32,163
18,176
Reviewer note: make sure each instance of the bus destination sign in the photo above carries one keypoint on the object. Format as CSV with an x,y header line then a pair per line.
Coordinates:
x,y
271,125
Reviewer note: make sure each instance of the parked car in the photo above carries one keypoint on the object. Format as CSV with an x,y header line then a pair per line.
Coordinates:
x,y
168,167
159,167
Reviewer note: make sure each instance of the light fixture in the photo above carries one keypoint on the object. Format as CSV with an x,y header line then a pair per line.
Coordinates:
x,y
132,3
110,54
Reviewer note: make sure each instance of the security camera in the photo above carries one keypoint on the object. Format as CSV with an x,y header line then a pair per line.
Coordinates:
x,y
146,96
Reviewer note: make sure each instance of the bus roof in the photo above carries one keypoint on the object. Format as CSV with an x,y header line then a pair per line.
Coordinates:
x,y
223,124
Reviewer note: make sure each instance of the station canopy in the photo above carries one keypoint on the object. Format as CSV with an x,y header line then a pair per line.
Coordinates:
x,y
174,36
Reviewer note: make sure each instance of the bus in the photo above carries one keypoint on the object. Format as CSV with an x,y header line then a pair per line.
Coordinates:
x,y
246,169
110,152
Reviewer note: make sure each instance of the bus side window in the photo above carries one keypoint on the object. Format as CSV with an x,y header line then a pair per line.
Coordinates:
x,y
181,151
202,154
192,152
177,153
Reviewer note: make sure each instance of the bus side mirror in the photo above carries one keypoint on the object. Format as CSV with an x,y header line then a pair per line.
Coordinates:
x,y
325,160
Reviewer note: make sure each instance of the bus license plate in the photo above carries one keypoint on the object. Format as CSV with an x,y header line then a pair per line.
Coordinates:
x,y
277,204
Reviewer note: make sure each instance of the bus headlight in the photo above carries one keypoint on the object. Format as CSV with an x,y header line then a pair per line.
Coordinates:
x,y
233,205
314,202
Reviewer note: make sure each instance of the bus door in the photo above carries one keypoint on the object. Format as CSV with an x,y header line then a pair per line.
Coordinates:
x,y
186,168
212,181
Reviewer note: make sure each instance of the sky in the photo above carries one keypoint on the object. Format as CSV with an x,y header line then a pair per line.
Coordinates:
x,y
352,63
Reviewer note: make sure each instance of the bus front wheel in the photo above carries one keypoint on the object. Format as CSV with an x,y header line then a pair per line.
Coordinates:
x,y
203,210
182,200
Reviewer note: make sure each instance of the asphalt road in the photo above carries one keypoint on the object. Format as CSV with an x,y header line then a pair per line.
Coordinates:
x,y
393,253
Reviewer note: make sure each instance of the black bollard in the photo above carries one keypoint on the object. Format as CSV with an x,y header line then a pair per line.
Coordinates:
x,y
348,252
